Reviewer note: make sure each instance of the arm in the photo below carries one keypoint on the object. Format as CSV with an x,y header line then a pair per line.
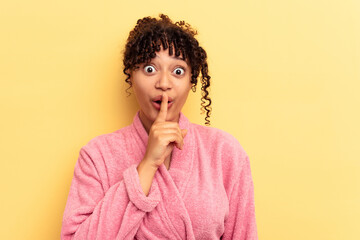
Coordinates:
x,y
241,223
115,213
146,175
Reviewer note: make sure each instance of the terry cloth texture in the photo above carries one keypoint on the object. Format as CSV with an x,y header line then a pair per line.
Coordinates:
x,y
207,193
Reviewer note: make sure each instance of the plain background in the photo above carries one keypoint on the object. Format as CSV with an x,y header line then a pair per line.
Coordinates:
x,y
285,82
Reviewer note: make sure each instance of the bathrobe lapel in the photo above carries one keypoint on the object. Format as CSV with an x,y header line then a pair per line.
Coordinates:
x,y
173,182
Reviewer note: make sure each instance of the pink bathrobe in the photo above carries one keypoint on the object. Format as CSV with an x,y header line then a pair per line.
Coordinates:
x,y
206,194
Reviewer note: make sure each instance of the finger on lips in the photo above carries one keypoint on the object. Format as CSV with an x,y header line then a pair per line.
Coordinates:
x,y
161,118
163,109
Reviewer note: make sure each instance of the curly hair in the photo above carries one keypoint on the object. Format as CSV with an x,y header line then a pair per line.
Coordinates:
x,y
147,37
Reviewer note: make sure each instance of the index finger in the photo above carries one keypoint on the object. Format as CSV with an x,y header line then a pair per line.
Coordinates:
x,y
161,117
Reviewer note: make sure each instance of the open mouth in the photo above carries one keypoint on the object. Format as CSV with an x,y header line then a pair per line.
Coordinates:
x,y
157,104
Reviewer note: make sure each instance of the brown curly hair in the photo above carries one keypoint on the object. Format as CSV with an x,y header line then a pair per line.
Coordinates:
x,y
147,36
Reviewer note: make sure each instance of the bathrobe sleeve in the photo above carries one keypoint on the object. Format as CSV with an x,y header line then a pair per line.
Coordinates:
x,y
240,223
95,210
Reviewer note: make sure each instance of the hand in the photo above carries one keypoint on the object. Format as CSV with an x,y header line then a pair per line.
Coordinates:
x,y
163,136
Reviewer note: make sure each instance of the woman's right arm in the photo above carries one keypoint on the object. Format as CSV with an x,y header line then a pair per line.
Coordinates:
x,y
92,213
117,212
163,137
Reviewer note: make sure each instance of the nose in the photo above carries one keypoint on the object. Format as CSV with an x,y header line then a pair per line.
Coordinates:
x,y
164,82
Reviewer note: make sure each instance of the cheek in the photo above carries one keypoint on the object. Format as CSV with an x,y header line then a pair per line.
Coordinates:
x,y
184,95
140,93
139,86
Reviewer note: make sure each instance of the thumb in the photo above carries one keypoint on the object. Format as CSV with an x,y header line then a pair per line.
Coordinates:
x,y
184,132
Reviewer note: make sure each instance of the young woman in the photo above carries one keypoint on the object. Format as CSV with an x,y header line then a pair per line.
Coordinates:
x,y
162,177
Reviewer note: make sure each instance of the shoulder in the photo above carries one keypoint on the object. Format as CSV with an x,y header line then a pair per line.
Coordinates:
x,y
107,142
218,138
225,149
104,154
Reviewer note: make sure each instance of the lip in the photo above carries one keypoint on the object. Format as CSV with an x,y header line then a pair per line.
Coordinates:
x,y
159,98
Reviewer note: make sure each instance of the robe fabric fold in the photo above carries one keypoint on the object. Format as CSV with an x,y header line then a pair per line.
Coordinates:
x,y
207,193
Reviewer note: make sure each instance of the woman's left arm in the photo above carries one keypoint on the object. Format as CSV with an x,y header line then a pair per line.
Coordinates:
x,y
241,222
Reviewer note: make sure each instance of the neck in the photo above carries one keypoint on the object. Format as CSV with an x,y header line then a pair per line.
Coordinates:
x,y
147,124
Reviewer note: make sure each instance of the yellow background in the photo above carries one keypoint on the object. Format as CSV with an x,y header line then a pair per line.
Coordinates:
x,y
285,83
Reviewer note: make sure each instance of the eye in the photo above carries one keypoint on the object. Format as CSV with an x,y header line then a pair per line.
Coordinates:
x,y
149,69
179,71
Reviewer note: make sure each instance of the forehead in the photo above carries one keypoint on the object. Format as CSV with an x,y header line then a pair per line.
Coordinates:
x,y
164,54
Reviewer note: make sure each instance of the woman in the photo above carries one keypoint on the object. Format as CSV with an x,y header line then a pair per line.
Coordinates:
x,y
162,177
